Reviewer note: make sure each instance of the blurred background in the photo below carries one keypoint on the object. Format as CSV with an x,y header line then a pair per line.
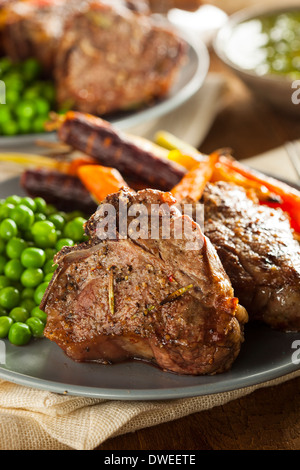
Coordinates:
x,y
232,86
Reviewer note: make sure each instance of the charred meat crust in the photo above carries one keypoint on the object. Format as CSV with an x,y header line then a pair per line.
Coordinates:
x,y
197,331
259,253
112,148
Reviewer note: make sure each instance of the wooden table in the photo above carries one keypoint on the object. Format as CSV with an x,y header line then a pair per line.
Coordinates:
x,y
268,418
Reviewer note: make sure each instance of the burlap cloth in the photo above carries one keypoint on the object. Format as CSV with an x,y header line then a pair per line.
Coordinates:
x,y
39,420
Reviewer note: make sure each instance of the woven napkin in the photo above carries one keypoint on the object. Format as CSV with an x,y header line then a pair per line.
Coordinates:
x,y
39,420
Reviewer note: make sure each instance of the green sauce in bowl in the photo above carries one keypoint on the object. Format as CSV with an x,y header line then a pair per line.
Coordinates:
x,y
267,45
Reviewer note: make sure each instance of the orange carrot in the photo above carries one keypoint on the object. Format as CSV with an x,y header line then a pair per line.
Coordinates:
x,y
290,196
223,173
75,164
100,180
193,183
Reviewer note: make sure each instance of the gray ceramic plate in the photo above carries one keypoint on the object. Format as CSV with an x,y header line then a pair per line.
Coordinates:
x,y
266,354
190,80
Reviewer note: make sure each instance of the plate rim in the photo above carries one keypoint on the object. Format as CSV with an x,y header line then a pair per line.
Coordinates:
x,y
157,394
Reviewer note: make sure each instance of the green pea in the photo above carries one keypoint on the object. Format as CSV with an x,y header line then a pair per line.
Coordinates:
x,y
50,209
29,202
31,69
38,313
50,253
32,277
49,91
41,204
13,269
4,282
27,293
39,292
33,257
5,325
14,199
19,314
58,220
15,247
19,334
49,266
25,109
5,114
12,96
9,297
44,234
74,229
2,245
5,64
38,217
10,127
36,327
28,304
23,216
8,229
3,262
24,126
5,210
38,124
3,312
48,277
63,242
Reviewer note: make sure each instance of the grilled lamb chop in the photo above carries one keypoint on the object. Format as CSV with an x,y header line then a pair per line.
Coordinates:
x,y
259,253
148,298
112,58
35,27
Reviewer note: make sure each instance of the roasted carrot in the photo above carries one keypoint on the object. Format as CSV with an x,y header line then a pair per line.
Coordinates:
x,y
76,163
290,196
193,183
100,181
112,148
222,173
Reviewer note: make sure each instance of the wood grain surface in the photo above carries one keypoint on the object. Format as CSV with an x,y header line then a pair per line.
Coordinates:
x,y
268,419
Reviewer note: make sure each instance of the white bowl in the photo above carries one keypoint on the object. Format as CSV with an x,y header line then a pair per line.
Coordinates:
x,y
279,90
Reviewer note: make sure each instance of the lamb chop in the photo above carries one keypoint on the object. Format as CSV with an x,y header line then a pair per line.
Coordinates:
x,y
148,298
259,253
131,59
34,29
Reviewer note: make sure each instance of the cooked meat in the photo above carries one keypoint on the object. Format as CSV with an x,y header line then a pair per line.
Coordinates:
x,y
113,59
149,298
34,29
65,192
165,5
259,253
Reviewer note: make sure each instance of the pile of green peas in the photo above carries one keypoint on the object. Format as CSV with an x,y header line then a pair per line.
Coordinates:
x,y
28,97
31,233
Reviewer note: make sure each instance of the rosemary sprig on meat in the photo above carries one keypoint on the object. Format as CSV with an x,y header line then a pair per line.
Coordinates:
x,y
111,294
175,295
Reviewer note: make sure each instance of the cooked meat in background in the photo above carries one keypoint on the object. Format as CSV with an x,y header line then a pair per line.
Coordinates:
x,y
34,28
259,253
112,59
150,299
165,5
65,192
